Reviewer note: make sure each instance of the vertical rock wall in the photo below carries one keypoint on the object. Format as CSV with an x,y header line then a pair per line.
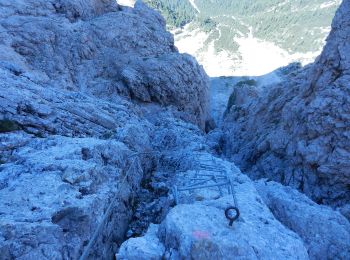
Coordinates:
x,y
298,132
77,79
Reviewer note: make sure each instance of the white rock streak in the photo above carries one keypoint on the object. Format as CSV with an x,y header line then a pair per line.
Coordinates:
x,y
192,2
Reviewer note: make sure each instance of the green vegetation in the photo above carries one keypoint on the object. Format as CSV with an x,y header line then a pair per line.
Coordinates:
x,y
246,82
296,26
290,69
107,135
8,126
206,24
231,101
177,13
226,39
2,161
241,84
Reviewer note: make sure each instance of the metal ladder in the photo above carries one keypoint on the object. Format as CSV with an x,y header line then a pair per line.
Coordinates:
x,y
208,174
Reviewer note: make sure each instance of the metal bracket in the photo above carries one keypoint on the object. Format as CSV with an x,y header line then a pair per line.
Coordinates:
x,y
208,176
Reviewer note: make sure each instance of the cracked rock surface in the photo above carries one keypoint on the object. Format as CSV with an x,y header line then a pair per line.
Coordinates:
x,y
326,233
275,221
99,117
297,132
82,84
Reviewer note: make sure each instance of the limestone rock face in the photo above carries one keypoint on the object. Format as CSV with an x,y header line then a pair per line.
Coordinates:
x,y
298,132
147,247
53,193
275,222
97,106
82,84
326,233
96,48
202,232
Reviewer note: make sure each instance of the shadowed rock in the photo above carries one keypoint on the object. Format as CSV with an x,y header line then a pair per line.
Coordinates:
x,y
297,132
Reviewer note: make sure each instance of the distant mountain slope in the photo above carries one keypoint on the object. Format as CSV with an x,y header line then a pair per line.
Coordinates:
x,y
176,12
274,20
229,36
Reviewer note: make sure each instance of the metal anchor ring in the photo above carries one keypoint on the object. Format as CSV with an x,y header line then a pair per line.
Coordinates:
x,y
229,216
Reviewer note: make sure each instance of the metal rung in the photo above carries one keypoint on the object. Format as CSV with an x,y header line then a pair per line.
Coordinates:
x,y
208,170
204,186
210,167
212,175
202,178
199,183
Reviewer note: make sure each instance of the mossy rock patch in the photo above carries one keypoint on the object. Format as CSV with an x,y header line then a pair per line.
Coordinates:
x,y
8,126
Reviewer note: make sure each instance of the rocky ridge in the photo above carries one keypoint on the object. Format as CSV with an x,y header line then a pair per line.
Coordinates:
x,y
76,85
99,121
276,222
197,229
297,131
